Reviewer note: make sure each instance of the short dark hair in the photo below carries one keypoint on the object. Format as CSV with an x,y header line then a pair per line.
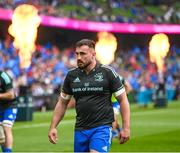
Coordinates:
x,y
87,42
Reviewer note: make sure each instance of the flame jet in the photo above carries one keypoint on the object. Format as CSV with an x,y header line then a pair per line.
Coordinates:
x,y
25,22
158,49
105,47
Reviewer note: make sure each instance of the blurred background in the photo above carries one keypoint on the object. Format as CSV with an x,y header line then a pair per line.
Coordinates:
x,y
138,38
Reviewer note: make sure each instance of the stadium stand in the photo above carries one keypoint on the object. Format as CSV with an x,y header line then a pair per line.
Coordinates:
x,y
122,11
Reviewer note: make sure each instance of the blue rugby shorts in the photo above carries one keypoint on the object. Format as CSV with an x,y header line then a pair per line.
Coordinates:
x,y
8,116
98,139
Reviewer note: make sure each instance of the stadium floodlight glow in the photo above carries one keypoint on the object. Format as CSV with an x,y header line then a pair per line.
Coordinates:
x,y
25,21
158,49
105,47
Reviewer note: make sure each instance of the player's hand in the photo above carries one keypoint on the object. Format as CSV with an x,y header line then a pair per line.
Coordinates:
x,y
53,135
124,135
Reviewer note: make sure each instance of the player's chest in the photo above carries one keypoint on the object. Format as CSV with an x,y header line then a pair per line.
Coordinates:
x,y
97,82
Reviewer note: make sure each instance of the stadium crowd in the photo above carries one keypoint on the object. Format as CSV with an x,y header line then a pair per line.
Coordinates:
x,y
50,64
122,11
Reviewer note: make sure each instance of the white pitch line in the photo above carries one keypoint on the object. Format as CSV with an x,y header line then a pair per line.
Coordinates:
x,y
41,125
156,124
153,112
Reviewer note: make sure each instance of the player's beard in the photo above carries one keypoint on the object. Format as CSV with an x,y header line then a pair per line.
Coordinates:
x,y
82,65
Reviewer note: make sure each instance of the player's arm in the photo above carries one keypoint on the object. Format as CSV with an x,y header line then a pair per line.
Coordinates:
x,y
125,113
8,95
58,115
118,90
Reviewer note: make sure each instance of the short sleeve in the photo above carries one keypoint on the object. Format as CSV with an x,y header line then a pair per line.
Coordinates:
x,y
66,85
115,81
122,80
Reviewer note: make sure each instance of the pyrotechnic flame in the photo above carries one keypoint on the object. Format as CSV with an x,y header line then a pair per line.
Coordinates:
x,y
105,47
25,21
158,49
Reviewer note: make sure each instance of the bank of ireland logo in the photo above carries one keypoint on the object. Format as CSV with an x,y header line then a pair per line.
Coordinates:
x,y
98,77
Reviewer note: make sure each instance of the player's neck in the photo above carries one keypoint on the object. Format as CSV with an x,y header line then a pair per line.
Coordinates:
x,y
90,67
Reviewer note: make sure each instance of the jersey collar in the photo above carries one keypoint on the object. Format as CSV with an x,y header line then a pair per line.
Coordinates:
x,y
94,69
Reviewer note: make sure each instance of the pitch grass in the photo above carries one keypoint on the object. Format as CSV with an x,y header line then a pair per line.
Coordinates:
x,y
152,130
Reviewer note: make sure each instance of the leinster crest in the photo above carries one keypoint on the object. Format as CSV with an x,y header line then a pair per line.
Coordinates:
x,y
98,77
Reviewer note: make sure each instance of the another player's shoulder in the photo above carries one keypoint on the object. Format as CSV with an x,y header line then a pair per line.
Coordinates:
x,y
4,76
109,69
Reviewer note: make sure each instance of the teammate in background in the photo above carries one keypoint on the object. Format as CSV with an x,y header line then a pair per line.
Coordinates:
x,y
8,110
92,85
116,107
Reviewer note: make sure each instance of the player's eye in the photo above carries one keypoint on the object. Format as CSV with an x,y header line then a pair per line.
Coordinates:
x,y
82,53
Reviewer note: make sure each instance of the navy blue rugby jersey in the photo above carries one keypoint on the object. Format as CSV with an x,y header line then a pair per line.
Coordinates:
x,y
92,93
5,85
